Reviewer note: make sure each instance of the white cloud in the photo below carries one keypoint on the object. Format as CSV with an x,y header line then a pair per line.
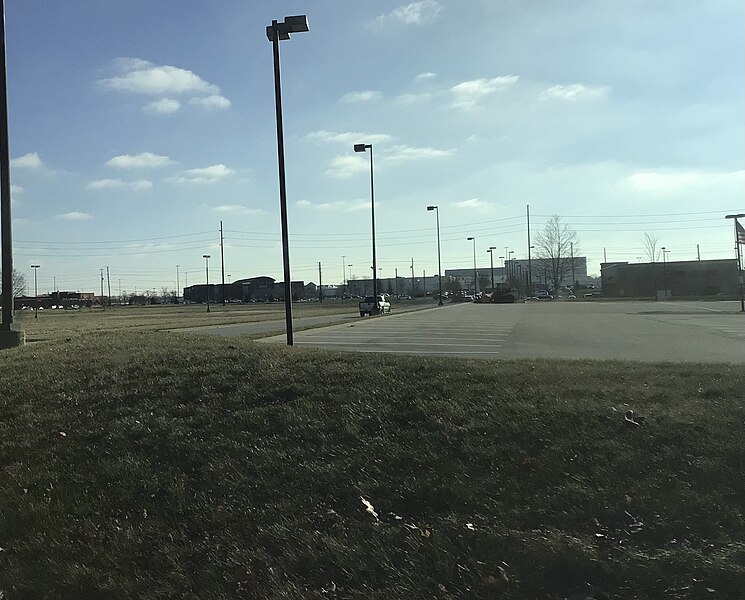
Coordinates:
x,y
474,203
209,174
136,76
339,205
425,76
416,13
236,209
27,161
677,182
139,185
347,166
74,216
144,160
466,95
16,190
408,153
349,137
575,92
164,106
410,99
211,103
363,96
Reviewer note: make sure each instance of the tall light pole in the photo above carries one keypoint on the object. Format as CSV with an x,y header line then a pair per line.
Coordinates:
x,y
439,260
8,337
276,32
475,282
36,291
510,266
363,148
503,269
491,260
206,258
178,284
739,239
530,266
664,272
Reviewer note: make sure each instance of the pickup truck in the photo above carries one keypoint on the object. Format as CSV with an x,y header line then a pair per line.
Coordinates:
x,y
375,305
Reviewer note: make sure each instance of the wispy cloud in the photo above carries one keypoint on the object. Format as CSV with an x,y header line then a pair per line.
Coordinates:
x,y
415,13
27,161
338,206
144,160
142,77
140,185
209,174
425,76
74,216
347,166
213,102
349,137
236,209
363,96
575,92
398,154
164,106
474,204
16,190
665,183
468,94
410,99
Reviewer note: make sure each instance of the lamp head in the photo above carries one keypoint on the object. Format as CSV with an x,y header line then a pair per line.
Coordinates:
x,y
431,208
361,147
206,256
471,238
294,24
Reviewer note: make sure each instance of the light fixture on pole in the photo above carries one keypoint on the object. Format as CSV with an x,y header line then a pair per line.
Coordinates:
x,y
276,32
491,260
206,258
363,148
475,282
439,260
739,239
36,291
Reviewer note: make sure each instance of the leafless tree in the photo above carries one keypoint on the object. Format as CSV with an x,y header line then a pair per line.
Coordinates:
x,y
650,247
554,247
19,283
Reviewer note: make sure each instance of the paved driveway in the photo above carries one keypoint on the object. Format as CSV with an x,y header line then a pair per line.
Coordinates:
x,y
644,331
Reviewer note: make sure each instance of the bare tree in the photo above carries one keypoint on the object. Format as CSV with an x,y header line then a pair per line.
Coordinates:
x,y
19,283
650,247
554,249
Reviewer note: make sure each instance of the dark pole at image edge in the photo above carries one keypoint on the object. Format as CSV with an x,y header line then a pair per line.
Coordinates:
x,y
275,32
5,218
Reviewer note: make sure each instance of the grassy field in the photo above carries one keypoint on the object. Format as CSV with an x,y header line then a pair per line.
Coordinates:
x,y
55,325
154,466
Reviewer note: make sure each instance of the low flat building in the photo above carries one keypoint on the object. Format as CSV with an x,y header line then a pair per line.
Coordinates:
x,y
670,279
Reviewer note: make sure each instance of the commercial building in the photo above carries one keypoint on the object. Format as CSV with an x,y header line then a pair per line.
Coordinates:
x,y
670,279
252,289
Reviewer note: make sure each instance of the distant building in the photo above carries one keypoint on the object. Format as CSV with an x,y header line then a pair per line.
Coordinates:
x,y
257,289
670,279
59,298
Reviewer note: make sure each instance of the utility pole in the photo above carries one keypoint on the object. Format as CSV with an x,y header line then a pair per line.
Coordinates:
x,y
108,285
344,275
530,267
574,279
178,285
698,251
396,282
320,285
605,256
412,278
222,263
102,302
424,283
120,290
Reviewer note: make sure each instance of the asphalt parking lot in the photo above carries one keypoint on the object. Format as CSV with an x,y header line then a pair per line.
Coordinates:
x,y
639,331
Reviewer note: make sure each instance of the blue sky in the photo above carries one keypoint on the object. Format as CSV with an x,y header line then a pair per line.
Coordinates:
x,y
136,127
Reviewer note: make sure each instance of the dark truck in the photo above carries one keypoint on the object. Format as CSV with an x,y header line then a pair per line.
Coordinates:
x,y
373,305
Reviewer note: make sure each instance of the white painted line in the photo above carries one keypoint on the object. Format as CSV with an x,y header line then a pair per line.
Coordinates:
x,y
694,306
398,344
422,352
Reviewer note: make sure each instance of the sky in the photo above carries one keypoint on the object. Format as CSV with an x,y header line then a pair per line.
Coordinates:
x,y
136,127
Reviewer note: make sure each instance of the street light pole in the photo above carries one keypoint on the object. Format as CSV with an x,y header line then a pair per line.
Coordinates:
x,y
362,148
739,239
206,258
439,256
491,260
36,291
276,32
530,266
475,282
664,273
